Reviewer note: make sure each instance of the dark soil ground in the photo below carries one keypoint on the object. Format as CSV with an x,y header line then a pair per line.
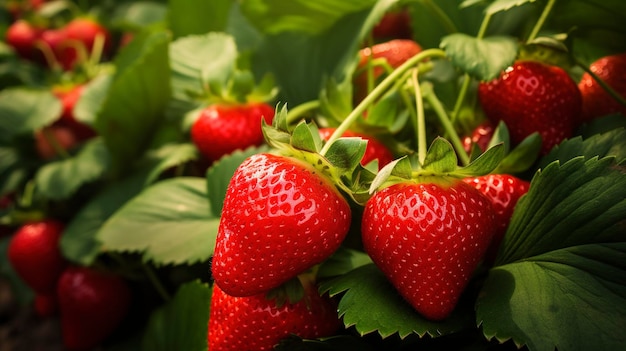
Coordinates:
x,y
23,330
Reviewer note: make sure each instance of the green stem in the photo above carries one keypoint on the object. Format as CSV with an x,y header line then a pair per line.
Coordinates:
x,y
430,96
467,80
95,56
542,19
296,112
377,92
158,286
422,147
614,94
441,15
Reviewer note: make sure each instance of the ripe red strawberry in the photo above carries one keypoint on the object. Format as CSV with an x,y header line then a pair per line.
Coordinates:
x,y
22,36
255,323
533,97
375,150
69,97
481,136
281,216
63,136
54,40
83,32
395,52
395,24
503,190
35,255
428,238
596,101
221,129
92,304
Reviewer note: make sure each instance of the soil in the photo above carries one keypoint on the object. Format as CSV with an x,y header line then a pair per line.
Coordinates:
x,y
21,329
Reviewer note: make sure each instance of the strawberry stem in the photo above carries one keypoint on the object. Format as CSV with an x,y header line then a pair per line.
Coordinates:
x,y
156,283
542,19
49,56
440,111
422,147
96,54
377,92
295,113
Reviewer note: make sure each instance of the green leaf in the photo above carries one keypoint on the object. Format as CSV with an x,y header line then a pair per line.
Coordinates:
x,y
78,242
24,110
219,174
308,16
200,59
167,156
182,323
440,157
483,59
611,143
137,97
92,98
342,261
59,180
568,299
579,202
169,222
198,16
504,5
371,304
139,14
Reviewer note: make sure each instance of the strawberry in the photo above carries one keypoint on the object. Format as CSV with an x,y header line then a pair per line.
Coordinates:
x,y
281,216
481,136
394,52
395,24
375,150
256,323
54,40
503,190
533,97
69,97
81,33
221,129
427,239
92,304
22,36
63,136
35,255
596,101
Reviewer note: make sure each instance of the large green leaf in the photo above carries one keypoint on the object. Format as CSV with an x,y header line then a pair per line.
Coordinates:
x,y
60,179
483,59
182,324
196,61
300,62
170,222
371,304
308,16
23,110
569,299
79,243
580,202
611,143
198,16
137,97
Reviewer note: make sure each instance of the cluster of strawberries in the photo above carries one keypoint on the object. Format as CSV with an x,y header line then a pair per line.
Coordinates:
x,y
91,302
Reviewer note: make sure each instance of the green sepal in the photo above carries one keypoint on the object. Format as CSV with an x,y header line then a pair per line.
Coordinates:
x,y
440,158
291,291
346,153
549,50
306,137
522,157
483,164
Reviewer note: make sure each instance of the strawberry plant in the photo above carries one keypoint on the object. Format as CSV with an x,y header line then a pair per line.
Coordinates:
x,y
327,175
